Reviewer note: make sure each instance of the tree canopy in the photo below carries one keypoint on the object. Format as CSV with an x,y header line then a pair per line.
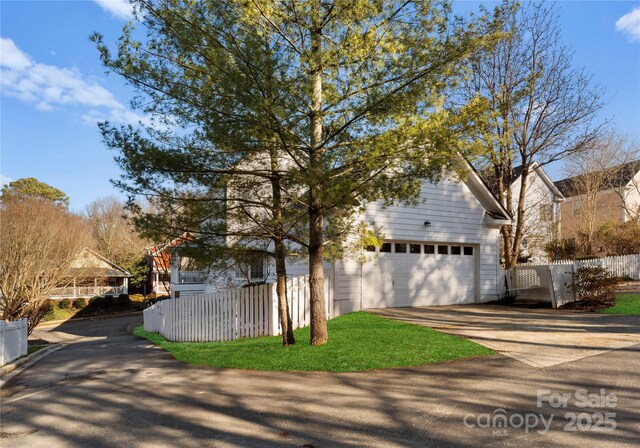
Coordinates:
x,y
542,107
39,242
32,188
349,97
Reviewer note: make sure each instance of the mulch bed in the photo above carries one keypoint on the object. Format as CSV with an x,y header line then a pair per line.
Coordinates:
x,y
587,305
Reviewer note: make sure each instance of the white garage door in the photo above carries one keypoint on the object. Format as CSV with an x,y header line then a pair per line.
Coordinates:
x,y
412,274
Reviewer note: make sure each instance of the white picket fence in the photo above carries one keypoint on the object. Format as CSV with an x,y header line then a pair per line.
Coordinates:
x,y
235,313
555,281
618,266
13,340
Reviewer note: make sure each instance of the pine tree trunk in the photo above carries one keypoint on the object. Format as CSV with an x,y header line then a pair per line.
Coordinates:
x,y
318,325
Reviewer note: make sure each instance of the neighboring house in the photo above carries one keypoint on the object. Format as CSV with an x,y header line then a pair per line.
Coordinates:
x,y
618,198
444,250
94,275
542,210
160,270
159,258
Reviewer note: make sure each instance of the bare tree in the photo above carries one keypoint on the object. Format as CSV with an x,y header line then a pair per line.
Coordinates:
x,y
39,242
542,108
114,234
596,184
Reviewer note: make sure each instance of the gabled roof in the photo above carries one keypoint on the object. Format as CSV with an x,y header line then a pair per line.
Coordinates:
x,y
620,176
89,263
491,181
161,254
485,196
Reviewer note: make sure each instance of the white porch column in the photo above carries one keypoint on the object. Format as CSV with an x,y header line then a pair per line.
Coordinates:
x,y
175,272
125,286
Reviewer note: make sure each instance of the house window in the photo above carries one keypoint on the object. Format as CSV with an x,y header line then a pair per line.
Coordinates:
x,y
443,250
468,250
429,249
253,271
401,248
386,247
414,248
546,212
257,268
456,250
370,248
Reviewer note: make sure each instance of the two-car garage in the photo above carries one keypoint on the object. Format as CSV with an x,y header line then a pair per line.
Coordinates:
x,y
443,249
419,274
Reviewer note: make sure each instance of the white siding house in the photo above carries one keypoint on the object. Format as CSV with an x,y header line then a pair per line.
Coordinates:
x,y
541,208
541,211
444,250
631,197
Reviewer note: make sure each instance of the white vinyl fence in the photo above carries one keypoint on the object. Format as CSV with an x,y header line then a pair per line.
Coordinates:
x,y
13,340
234,313
555,281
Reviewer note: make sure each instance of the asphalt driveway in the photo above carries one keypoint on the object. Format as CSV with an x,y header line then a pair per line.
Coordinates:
x,y
107,388
538,338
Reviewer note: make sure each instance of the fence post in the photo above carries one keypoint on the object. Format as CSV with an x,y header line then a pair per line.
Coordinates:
x,y
274,320
24,334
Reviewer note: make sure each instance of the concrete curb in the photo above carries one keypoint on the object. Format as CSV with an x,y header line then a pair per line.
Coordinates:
x,y
27,361
104,316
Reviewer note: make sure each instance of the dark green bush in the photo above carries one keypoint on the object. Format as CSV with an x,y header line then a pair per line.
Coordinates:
x,y
80,303
64,304
50,304
123,300
106,301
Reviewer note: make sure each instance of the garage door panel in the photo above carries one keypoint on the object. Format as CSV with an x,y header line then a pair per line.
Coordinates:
x,y
406,279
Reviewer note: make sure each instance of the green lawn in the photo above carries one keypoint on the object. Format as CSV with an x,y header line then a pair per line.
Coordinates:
x,y
625,304
357,341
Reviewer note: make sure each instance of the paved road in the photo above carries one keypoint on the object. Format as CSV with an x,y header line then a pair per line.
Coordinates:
x,y
107,388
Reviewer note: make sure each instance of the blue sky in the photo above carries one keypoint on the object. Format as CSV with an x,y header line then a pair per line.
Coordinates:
x,y
54,89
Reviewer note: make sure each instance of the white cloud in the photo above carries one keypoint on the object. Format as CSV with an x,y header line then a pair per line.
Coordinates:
x,y
47,87
5,179
630,24
119,8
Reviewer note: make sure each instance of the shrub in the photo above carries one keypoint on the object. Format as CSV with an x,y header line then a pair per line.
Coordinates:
x,y
64,304
594,283
80,303
50,304
123,300
106,301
